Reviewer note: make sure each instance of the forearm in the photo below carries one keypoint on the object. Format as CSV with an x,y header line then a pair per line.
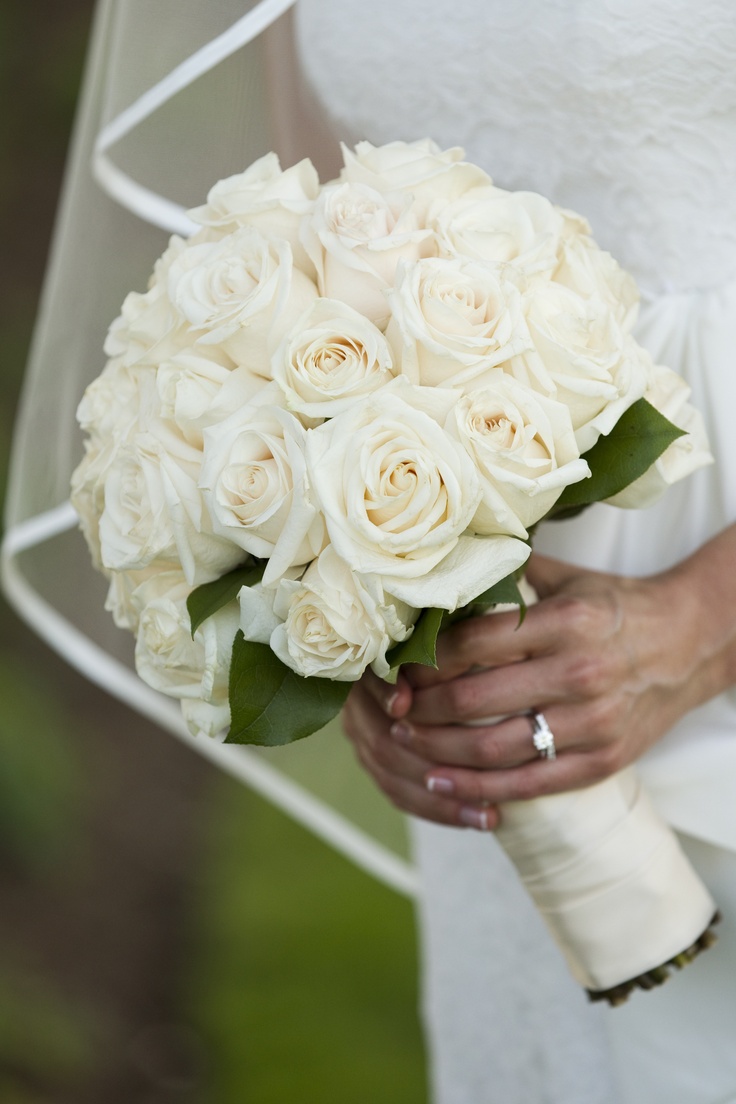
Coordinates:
x,y
706,584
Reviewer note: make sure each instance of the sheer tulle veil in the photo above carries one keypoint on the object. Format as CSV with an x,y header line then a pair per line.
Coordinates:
x,y
176,95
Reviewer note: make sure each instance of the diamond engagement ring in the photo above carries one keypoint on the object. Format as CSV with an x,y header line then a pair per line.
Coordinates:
x,y
543,737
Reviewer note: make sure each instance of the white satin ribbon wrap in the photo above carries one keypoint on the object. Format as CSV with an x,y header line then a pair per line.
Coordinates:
x,y
607,874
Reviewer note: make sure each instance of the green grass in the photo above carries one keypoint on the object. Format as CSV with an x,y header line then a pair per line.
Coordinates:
x,y
305,983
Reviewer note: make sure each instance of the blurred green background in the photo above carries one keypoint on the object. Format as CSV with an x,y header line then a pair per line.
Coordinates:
x,y
164,934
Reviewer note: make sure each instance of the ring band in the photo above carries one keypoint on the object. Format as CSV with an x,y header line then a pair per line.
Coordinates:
x,y
544,740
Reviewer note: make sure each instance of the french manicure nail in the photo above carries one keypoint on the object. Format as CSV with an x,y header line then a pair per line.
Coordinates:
x,y
391,702
440,785
474,818
401,732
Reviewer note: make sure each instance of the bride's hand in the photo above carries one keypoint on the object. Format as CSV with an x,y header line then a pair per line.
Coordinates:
x,y
612,663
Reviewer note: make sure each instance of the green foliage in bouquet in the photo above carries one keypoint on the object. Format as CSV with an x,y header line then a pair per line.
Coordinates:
x,y
270,704
638,439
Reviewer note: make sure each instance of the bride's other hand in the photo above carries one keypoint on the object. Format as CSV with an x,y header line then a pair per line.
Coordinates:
x,y
612,663
373,710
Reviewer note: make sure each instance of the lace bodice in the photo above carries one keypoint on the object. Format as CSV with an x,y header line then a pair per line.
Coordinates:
x,y
624,110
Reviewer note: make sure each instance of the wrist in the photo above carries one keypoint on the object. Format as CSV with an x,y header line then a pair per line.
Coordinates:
x,y
701,594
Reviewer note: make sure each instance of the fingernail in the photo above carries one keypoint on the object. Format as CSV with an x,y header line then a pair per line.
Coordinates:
x,y
474,818
440,785
401,732
391,702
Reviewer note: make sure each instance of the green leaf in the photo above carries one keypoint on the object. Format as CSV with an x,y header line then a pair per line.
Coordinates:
x,y
210,597
270,705
639,437
421,647
504,592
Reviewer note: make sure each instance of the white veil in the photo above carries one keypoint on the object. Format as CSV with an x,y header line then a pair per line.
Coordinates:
x,y
176,95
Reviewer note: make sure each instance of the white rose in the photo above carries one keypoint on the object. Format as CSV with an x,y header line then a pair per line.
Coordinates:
x,y
241,292
582,358
264,196
120,601
421,168
492,225
254,480
593,273
331,623
668,393
211,719
154,512
121,398
110,412
147,330
523,446
167,657
453,319
332,356
355,239
398,494
196,391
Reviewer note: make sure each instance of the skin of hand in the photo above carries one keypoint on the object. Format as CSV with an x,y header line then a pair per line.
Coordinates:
x,y
613,662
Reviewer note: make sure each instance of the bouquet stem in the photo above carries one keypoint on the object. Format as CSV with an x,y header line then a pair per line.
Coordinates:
x,y
619,895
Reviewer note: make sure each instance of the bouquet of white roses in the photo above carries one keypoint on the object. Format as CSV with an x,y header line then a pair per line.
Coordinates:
x,y
334,418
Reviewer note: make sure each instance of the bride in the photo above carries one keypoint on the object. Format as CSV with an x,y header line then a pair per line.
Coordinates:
x,y
627,114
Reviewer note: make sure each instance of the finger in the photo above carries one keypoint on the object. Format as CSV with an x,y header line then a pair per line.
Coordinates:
x,y
519,688
508,743
401,774
415,799
537,779
367,727
394,700
498,640
472,643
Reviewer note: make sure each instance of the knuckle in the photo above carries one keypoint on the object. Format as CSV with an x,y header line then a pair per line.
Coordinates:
x,y
490,749
470,787
526,786
589,676
459,698
583,618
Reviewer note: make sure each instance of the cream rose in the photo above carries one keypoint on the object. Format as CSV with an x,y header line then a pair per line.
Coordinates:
x,y
499,227
582,358
355,238
398,494
453,319
147,330
523,446
119,600
241,292
329,624
593,273
154,513
167,657
272,200
196,391
110,412
420,168
332,356
254,482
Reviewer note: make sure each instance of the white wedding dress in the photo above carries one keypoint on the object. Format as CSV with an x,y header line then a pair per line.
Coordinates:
x,y
624,110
